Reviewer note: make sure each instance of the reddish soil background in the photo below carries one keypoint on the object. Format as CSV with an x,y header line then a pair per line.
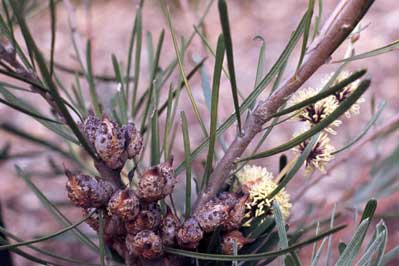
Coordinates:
x,y
109,23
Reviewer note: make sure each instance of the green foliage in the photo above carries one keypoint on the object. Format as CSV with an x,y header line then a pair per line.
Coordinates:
x,y
146,103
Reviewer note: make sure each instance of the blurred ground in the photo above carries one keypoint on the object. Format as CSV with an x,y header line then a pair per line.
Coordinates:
x,y
109,23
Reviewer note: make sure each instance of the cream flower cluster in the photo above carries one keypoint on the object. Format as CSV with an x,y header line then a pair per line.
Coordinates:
x,y
314,113
258,183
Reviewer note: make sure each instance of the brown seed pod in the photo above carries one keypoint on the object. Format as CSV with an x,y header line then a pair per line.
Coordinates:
x,y
90,126
145,244
151,183
86,191
169,225
134,141
110,144
190,234
92,221
212,214
149,218
157,182
228,241
237,213
113,225
168,172
125,204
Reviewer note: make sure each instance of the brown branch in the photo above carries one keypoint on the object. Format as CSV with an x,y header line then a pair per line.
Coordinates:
x,y
340,24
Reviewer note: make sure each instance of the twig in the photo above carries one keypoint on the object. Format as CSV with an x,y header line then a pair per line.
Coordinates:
x,y
340,24
381,130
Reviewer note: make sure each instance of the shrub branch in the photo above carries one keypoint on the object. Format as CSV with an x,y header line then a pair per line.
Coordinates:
x,y
339,25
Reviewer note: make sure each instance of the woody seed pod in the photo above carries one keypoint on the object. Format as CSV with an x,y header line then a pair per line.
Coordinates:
x,y
237,213
113,225
110,144
125,204
86,191
148,218
190,234
169,225
134,141
157,182
231,237
145,244
90,126
212,214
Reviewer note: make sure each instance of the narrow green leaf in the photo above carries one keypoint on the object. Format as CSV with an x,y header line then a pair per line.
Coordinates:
x,y
251,257
181,69
187,160
53,210
318,253
390,255
214,109
299,162
8,31
121,96
137,58
152,79
26,255
44,252
101,236
323,94
260,68
309,15
351,250
130,53
224,20
381,250
168,124
329,246
280,224
343,107
150,51
371,250
292,259
255,93
27,112
155,146
53,17
48,80
372,121
385,49
92,86
318,19
48,236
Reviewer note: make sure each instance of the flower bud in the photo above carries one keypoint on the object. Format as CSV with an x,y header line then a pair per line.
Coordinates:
x,y
229,239
125,204
110,144
88,192
190,234
145,244
148,218
169,225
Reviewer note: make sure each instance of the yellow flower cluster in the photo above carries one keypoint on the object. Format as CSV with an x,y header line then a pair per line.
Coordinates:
x,y
258,183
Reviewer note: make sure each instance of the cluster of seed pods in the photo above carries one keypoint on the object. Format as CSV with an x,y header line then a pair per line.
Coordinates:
x,y
134,224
